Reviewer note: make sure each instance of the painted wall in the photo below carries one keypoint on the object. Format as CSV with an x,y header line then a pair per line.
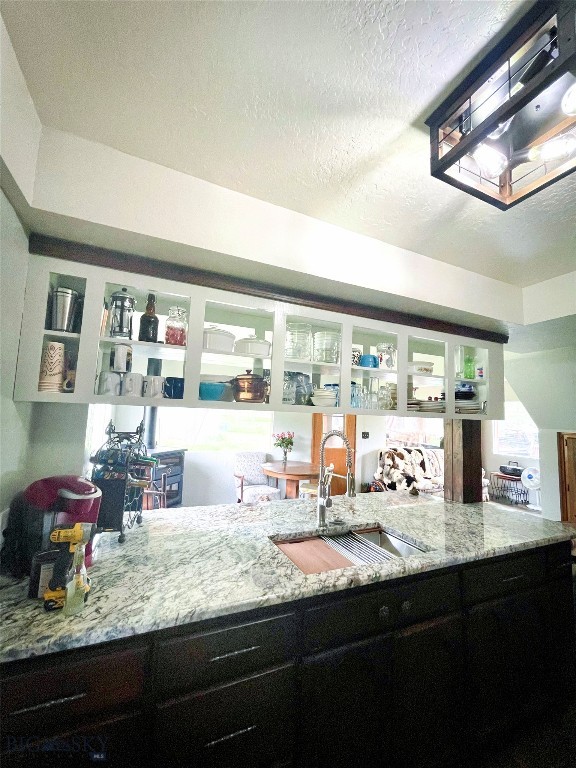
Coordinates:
x,y
15,418
20,126
545,382
40,439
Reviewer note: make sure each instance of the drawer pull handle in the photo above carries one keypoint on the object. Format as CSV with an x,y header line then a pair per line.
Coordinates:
x,y
406,606
514,578
230,736
235,653
53,703
384,612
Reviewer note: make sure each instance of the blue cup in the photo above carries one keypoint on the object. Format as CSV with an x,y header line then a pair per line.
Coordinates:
x,y
174,388
369,361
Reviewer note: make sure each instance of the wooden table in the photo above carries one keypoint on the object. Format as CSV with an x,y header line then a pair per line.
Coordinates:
x,y
292,472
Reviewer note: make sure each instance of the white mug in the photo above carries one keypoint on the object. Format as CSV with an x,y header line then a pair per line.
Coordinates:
x,y
121,358
109,383
153,386
132,384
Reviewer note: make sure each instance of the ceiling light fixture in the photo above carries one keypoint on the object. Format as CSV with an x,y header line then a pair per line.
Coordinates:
x,y
508,130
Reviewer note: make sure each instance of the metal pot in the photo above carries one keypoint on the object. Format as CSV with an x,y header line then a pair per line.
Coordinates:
x,y
249,388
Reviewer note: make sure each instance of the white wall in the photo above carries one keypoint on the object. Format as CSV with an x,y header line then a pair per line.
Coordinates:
x,y
545,383
20,126
549,475
15,418
91,182
41,439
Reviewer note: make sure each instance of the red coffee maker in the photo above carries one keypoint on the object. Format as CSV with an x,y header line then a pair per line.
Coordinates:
x,y
66,508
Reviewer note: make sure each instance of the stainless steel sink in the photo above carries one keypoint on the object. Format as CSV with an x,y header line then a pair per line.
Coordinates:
x,y
343,548
371,546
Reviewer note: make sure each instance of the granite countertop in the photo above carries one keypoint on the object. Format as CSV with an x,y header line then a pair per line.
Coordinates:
x,y
189,564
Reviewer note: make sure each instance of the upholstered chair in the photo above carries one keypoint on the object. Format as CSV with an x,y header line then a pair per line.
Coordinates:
x,y
251,482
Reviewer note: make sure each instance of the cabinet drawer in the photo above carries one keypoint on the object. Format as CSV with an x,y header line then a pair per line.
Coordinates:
x,y
503,577
559,560
248,723
32,703
118,742
346,621
204,659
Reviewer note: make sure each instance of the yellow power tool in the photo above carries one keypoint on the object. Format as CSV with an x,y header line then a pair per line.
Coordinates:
x,y
66,539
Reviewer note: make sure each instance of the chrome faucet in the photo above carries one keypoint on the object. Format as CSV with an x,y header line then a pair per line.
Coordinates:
x,y
326,474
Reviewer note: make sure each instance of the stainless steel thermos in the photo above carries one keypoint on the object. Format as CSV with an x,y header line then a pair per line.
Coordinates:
x,y
63,305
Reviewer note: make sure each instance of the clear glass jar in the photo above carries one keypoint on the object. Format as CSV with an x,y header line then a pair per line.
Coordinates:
x,y
176,327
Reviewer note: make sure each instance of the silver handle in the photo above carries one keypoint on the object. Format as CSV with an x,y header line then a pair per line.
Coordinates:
x,y
230,736
514,578
384,612
235,653
406,606
52,703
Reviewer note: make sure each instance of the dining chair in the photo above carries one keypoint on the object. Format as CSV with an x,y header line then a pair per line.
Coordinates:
x,y
251,482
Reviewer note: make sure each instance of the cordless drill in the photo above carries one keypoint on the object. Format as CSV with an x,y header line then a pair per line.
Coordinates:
x,y
66,540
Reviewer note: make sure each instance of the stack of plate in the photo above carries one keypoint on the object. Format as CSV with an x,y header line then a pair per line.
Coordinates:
x,y
413,405
432,406
468,406
325,397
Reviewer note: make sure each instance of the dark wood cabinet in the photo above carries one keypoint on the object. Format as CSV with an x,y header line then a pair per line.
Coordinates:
x,y
399,674
347,705
122,741
428,693
508,659
249,723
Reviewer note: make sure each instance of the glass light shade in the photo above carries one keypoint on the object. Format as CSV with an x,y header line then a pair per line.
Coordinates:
x,y
490,161
569,101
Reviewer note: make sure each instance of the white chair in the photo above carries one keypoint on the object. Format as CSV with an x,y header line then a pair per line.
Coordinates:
x,y
251,482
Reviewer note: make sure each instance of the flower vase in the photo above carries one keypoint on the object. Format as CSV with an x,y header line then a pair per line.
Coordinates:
x,y
284,455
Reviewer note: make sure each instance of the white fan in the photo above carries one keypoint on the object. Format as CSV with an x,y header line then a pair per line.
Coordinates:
x,y
531,480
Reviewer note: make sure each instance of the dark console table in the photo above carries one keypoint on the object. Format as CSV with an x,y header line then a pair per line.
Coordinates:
x,y
170,462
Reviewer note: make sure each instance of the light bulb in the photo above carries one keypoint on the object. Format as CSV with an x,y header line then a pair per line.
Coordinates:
x,y
490,161
560,148
569,101
501,129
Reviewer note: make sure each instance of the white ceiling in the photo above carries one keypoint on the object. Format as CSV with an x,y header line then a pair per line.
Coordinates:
x,y
315,106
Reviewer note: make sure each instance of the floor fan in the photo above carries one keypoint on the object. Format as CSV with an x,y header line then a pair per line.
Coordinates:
x,y
531,480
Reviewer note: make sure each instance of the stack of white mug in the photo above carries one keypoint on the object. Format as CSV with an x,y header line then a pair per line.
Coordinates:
x,y
119,380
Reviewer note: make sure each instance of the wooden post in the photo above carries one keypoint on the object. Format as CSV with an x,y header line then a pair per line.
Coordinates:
x,y
463,460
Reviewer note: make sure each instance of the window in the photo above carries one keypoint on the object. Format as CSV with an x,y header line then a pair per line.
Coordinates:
x,y
415,431
517,435
204,429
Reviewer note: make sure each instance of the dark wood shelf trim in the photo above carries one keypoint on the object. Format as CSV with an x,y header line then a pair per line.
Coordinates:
x,y
43,245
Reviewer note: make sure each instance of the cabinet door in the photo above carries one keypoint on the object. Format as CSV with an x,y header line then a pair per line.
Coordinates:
x,y
347,705
428,692
508,655
247,724
562,647
119,742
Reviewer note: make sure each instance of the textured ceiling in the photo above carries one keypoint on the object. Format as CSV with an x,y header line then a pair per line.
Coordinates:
x,y
314,106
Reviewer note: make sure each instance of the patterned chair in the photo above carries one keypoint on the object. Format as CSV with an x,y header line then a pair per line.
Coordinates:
x,y
251,482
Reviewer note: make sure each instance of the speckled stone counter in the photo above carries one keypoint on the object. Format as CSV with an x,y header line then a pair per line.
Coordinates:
x,y
189,564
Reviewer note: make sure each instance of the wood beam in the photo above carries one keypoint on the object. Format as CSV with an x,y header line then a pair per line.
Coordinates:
x,y
102,257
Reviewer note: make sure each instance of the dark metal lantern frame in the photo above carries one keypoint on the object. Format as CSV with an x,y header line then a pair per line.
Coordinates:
x,y
512,104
